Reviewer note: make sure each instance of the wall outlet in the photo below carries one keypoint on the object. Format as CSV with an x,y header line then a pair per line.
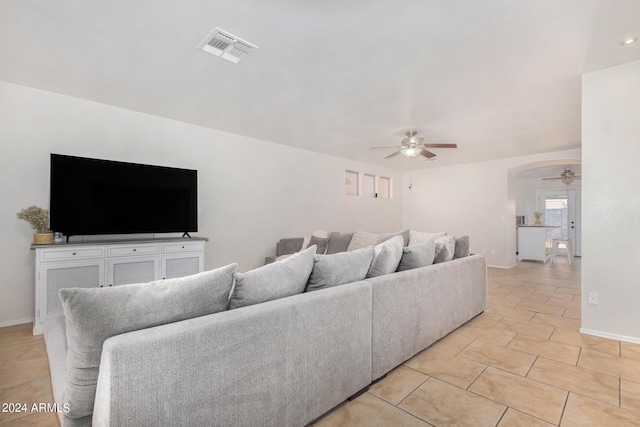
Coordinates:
x,y
593,298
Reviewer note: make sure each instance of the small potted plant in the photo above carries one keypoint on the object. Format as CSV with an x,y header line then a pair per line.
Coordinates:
x,y
38,218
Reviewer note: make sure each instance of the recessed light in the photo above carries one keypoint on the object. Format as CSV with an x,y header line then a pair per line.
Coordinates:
x,y
629,41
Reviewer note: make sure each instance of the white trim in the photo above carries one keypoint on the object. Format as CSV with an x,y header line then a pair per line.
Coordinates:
x,y
16,322
610,336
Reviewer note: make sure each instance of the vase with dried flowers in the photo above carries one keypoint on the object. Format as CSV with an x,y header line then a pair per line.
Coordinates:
x,y
538,216
38,218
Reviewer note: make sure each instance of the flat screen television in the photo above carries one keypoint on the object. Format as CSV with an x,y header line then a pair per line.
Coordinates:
x,y
93,196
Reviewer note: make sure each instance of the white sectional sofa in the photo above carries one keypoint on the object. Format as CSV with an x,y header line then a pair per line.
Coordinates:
x,y
280,362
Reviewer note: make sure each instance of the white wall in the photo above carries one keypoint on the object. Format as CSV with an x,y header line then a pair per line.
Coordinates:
x,y
611,201
251,192
477,199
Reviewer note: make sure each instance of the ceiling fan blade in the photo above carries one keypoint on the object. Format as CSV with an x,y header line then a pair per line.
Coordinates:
x,y
440,145
427,154
385,148
392,154
551,179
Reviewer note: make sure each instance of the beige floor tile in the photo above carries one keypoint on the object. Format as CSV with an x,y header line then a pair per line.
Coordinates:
x,y
573,313
484,320
604,388
18,336
30,365
27,393
20,327
492,335
368,410
507,301
539,298
22,351
525,328
584,412
622,367
542,308
41,419
398,384
558,322
499,357
550,349
572,290
511,313
446,367
630,395
526,395
452,343
513,418
442,404
564,300
630,350
573,337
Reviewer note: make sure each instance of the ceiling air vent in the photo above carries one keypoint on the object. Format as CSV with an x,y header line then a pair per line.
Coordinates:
x,y
227,46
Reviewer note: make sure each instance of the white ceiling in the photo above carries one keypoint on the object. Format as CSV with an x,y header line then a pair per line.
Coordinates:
x,y
498,77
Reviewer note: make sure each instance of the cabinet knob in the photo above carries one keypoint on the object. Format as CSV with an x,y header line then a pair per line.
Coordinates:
x,y
73,253
183,247
102,286
110,284
134,249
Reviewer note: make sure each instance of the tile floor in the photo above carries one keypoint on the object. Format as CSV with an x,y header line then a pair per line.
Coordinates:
x,y
522,362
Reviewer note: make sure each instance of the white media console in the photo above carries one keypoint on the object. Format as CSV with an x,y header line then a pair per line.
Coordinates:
x,y
109,263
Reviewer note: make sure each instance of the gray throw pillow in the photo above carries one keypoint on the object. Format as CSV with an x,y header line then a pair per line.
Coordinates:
x,y
462,247
94,314
417,256
320,242
338,269
445,248
386,257
338,242
278,280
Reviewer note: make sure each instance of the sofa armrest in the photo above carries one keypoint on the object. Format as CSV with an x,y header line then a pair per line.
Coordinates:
x,y
283,362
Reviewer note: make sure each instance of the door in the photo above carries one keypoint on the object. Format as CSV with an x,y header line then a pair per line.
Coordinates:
x,y
563,208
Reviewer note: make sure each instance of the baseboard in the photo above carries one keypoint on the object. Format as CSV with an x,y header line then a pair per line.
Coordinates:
x,y
610,336
16,322
502,266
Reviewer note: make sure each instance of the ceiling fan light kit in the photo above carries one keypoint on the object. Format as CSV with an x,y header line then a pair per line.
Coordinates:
x,y
412,146
567,177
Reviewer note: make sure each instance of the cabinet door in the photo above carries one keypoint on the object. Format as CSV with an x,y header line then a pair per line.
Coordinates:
x,y
182,264
121,271
58,275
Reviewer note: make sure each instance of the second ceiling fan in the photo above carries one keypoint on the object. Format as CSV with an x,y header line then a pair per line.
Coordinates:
x,y
412,146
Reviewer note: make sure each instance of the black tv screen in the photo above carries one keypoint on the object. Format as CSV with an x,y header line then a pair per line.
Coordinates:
x,y
92,196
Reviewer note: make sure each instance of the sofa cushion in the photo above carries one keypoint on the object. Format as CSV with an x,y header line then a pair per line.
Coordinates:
x,y
338,242
462,247
321,243
417,256
416,237
445,248
277,280
92,315
386,257
338,269
362,239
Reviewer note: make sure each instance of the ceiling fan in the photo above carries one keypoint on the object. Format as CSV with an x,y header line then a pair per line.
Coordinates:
x,y
412,146
567,177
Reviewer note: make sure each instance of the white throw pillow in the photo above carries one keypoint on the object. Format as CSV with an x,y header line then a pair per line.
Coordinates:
x,y
416,237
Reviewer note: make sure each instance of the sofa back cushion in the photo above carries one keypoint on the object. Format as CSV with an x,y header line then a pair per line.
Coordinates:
x,y
416,237
95,314
386,257
445,249
338,269
417,256
278,280
462,247
338,242
363,239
